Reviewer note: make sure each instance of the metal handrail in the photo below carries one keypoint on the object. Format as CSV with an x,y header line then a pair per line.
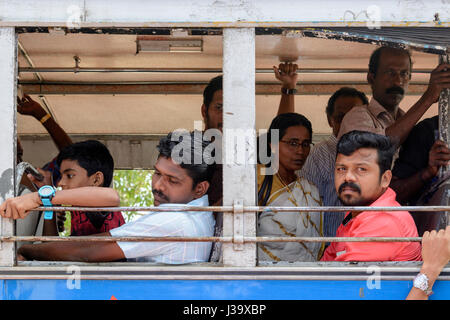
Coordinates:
x,y
226,239
229,209
191,70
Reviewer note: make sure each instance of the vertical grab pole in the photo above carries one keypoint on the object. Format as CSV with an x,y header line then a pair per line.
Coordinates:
x,y
444,134
239,143
444,118
8,136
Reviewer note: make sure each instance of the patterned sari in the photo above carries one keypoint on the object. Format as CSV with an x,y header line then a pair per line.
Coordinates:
x,y
299,193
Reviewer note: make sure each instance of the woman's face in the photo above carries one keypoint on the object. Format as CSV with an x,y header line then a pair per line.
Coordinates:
x,y
294,148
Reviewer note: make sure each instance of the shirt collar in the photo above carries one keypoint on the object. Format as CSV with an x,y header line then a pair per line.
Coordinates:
x,y
200,202
376,109
387,199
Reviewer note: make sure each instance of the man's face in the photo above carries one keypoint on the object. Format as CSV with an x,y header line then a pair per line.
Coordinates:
x,y
171,183
213,114
73,176
342,105
357,178
390,83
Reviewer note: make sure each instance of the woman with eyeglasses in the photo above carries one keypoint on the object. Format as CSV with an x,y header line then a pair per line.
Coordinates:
x,y
279,185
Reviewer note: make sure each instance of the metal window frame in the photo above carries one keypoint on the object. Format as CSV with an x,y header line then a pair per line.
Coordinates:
x,y
238,18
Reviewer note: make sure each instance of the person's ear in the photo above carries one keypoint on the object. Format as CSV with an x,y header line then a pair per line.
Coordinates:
x,y
330,121
97,179
386,178
201,189
370,78
204,111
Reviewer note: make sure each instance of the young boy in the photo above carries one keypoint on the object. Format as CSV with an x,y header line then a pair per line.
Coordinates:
x,y
86,164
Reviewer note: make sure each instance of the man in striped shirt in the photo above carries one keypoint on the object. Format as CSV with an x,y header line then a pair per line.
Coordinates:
x,y
319,166
175,182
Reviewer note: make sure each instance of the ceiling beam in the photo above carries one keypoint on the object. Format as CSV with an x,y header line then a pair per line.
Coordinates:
x,y
195,88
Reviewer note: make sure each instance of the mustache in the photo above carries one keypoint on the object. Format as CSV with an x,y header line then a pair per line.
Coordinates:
x,y
395,89
351,185
160,194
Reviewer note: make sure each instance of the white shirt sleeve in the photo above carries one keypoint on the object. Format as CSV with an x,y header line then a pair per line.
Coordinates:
x,y
156,224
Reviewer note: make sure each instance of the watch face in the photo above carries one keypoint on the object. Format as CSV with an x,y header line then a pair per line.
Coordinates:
x,y
421,282
46,191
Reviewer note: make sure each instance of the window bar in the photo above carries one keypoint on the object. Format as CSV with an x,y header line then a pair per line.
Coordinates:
x,y
8,135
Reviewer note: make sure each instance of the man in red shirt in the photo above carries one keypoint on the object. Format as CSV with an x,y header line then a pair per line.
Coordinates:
x,y
362,177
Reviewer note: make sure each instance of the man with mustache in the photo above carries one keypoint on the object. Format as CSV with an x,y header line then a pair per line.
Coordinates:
x,y
362,177
174,183
389,75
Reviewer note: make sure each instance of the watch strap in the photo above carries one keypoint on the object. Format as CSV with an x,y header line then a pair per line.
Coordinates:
x,y
288,91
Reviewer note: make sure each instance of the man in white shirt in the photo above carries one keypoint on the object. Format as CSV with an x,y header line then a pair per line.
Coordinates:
x,y
176,182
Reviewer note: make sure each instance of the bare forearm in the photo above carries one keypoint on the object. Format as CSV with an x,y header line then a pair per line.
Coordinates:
x,y
287,104
402,127
59,136
432,275
88,196
50,228
73,251
407,187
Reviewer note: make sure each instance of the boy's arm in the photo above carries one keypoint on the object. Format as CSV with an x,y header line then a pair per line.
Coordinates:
x,y
28,106
50,228
19,207
73,251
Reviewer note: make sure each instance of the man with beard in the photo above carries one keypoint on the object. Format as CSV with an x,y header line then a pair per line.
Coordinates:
x,y
174,183
362,177
389,75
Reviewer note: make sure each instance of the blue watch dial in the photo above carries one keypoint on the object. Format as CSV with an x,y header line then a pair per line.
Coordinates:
x,y
46,194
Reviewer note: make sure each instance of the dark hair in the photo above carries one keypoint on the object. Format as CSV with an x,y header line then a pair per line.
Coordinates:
x,y
214,85
354,140
376,54
194,143
344,92
286,120
91,155
281,122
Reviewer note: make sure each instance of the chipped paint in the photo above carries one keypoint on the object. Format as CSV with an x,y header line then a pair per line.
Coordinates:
x,y
8,84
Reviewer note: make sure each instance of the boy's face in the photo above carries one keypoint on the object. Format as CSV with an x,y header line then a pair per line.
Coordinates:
x,y
74,176
172,184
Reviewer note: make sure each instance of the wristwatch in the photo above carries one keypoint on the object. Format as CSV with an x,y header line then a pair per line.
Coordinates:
x,y
288,91
46,193
421,282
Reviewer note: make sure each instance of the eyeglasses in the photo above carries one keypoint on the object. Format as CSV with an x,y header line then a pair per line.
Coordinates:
x,y
294,144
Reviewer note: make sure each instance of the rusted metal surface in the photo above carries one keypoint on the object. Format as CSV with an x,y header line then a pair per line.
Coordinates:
x,y
54,88
429,40
8,134
245,239
444,117
249,209
191,70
